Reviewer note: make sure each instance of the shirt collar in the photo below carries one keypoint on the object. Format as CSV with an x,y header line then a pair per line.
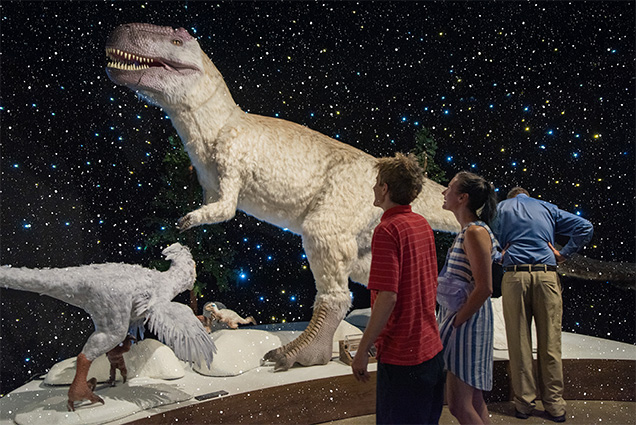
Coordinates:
x,y
400,209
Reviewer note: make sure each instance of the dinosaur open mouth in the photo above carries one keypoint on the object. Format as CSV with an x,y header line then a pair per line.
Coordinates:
x,y
128,61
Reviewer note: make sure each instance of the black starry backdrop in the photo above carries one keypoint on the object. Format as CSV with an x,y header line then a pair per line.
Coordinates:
x,y
537,94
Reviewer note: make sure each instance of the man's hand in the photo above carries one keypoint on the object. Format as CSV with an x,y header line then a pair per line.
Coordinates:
x,y
560,258
359,366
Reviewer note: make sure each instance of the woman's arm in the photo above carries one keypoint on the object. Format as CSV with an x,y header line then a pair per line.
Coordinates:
x,y
478,246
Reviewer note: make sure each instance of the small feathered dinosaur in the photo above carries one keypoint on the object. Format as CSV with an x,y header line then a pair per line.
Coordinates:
x,y
120,299
225,315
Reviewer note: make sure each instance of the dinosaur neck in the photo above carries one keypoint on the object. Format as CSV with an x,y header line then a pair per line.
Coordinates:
x,y
181,275
206,110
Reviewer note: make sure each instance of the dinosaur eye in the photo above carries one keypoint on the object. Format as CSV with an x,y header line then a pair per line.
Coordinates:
x,y
177,42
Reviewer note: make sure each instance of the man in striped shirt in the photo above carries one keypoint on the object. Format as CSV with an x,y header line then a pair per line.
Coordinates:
x,y
403,284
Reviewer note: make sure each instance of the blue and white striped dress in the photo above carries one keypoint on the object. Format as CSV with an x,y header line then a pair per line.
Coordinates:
x,y
468,350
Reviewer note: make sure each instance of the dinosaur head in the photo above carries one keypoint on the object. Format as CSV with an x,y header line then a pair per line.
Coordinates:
x,y
161,63
183,268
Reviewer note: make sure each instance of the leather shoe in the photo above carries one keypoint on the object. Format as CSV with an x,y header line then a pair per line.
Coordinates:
x,y
521,415
555,418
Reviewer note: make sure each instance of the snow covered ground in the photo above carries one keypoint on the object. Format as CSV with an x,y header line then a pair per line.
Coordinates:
x,y
146,394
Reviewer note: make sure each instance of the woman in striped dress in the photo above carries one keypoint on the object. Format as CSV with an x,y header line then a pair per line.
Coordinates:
x,y
464,289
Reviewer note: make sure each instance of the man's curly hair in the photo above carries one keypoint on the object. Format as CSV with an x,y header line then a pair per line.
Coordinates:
x,y
403,176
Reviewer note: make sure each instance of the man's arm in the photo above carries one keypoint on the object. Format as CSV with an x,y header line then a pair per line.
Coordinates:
x,y
382,309
577,228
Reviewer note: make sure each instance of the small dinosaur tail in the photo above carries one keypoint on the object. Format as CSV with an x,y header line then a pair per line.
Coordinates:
x,y
41,281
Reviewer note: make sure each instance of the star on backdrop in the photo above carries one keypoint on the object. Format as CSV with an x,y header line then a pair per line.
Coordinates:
x,y
537,94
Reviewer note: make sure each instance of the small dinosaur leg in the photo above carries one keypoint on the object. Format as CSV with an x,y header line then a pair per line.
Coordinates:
x,y
113,375
80,389
124,371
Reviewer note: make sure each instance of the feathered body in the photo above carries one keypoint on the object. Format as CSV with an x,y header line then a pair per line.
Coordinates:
x,y
121,298
273,169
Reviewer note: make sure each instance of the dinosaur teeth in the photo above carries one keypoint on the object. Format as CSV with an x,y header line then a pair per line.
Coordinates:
x,y
127,67
118,58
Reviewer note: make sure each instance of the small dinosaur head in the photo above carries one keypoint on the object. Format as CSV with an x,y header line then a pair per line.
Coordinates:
x,y
183,267
158,62
208,309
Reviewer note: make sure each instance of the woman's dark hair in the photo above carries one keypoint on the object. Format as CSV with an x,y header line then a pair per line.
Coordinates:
x,y
481,195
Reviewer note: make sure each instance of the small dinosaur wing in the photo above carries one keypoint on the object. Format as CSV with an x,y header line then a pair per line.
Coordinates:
x,y
176,326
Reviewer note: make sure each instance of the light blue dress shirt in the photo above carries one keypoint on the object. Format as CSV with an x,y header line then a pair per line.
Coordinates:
x,y
528,224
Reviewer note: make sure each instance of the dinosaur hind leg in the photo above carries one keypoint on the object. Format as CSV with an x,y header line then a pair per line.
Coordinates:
x,y
330,261
81,388
97,344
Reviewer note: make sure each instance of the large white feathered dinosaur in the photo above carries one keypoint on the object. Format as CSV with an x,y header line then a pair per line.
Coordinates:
x,y
121,298
275,170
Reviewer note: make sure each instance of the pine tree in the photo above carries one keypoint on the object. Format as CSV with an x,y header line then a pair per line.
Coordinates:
x,y
425,151
180,193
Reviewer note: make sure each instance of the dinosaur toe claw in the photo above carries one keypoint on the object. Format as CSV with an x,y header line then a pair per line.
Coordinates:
x,y
273,355
283,364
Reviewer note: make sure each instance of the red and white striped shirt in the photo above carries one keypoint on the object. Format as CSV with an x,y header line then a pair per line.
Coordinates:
x,y
404,261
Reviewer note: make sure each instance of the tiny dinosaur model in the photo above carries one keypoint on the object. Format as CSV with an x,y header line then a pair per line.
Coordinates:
x,y
116,359
122,298
275,170
227,316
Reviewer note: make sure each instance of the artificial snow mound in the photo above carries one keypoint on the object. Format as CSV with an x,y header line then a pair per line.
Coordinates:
x,y
238,350
148,358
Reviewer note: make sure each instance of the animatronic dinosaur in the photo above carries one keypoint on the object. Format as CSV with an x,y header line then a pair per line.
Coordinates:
x,y
273,169
225,315
121,298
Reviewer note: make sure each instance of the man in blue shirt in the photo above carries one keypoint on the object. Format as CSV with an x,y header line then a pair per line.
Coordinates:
x,y
527,227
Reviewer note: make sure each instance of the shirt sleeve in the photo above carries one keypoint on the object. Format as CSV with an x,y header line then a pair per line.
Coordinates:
x,y
577,228
385,265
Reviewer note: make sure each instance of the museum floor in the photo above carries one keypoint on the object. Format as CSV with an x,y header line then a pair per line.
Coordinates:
x,y
579,413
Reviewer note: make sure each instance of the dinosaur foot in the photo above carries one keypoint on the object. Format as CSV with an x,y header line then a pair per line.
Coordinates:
x,y
79,392
313,346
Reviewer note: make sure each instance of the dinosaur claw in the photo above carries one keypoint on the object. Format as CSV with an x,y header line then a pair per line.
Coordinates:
x,y
184,223
283,364
273,355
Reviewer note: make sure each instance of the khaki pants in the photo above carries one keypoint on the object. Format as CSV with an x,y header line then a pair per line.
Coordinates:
x,y
538,294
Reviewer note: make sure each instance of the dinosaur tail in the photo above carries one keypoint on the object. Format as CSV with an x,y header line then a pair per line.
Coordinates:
x,y
57,283
24,279
581,267
429,204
